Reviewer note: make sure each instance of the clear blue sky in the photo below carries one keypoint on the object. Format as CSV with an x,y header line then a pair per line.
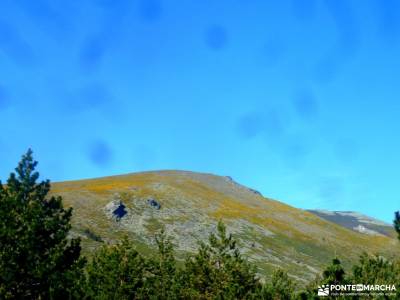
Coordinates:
x,y
299,99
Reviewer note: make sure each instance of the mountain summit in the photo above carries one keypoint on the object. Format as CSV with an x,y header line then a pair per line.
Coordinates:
x,y
188,205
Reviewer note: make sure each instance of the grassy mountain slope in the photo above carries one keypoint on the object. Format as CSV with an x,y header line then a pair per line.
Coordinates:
x,y
271,234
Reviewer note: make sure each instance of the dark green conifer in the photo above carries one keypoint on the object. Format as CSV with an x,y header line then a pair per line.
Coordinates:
x,y
218,270
376,270
396,223
37,260
164,280
280,287
334,273
116,272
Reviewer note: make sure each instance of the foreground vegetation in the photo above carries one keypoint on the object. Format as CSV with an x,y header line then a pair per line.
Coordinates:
x,y
39,261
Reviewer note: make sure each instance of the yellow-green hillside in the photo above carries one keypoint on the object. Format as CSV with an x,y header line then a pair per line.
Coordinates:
x,y
270,233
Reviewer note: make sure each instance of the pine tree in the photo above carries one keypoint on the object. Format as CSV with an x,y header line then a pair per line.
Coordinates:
x,y
281,287
164,282
396,223
218,270
117,272
376,270
37,260
334,273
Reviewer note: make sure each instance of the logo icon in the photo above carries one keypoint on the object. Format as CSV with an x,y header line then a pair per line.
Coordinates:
x,y
323,290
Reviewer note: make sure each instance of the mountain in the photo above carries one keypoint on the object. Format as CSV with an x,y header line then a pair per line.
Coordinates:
x,y
270,233
357,222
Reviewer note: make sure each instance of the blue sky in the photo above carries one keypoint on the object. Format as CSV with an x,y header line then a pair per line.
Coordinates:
x,y
297,99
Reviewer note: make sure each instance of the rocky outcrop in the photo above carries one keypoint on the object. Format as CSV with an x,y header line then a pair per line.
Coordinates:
x,y
115,209
154,203
230,179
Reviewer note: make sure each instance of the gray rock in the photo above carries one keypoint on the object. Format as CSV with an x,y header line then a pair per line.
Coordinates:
x,y
116,209
153,203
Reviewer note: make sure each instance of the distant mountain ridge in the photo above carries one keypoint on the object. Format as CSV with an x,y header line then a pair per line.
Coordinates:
x,y
357,222
188,205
